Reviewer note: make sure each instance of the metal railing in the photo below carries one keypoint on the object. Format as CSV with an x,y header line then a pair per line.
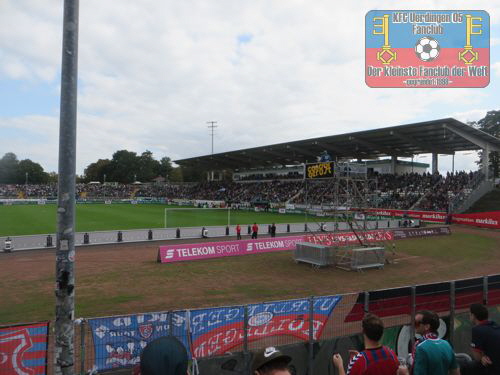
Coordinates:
x,y
221,340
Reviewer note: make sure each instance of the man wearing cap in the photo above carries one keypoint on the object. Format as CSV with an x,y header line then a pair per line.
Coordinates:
x,y
271,361
164,356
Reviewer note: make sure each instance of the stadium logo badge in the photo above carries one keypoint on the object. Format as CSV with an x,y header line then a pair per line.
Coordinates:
x,y
260,319
426,48
146,330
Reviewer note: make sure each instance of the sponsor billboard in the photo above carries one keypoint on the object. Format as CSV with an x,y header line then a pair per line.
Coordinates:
x,y
23,349
207,250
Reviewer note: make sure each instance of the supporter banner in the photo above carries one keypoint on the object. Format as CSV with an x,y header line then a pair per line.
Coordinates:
x,y
481,219
207,250
216,331
427,48
119,340
348,238
401,234
23,349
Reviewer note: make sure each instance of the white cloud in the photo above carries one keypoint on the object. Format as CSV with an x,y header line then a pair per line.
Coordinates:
x,y
152,73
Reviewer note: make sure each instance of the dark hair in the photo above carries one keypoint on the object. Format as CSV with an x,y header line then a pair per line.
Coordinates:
x,y
431,318
479,311
373,327
277,364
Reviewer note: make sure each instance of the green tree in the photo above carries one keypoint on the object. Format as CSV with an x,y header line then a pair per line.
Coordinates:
x,y
96,171
53,177
8,168
149,168
124,166
490,124
175,175
31,173
166,168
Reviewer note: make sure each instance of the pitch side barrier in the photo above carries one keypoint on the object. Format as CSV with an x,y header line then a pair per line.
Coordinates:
x,y
479,219
223,339
41,241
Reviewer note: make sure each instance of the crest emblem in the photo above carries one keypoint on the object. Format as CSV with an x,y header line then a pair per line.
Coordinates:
x,y
146,330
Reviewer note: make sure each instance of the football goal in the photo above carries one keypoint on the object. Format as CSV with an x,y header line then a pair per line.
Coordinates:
x,y
186,217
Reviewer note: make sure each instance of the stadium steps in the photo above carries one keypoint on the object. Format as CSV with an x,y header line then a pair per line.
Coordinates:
x,y
295,196
489,202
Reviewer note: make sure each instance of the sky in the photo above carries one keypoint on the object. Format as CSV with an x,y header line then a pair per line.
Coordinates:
x,y
152,73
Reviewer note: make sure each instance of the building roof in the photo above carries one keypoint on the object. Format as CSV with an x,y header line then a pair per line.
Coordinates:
x,y
444,136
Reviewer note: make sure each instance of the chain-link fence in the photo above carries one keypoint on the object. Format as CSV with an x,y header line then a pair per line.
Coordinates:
x,y
221,340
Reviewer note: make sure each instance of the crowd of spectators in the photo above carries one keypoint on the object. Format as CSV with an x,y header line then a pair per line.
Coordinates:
x,y
408,191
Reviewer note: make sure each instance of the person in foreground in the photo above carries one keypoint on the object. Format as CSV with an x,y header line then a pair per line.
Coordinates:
x,y
375,359
485,343
164,356
271,361
432,355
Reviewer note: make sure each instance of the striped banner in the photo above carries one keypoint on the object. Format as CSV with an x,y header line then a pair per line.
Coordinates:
x,y
23,349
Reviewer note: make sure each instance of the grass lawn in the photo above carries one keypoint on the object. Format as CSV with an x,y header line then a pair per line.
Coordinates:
x,y
19,220
121,279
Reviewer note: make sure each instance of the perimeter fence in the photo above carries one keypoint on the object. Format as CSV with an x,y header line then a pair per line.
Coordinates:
x,y
222,340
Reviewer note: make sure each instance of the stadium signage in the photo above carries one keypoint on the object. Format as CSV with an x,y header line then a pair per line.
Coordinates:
x,y
206,250
319,170
427,48
481,219
420,232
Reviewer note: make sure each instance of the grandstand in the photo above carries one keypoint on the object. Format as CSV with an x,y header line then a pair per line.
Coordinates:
x,y
274,175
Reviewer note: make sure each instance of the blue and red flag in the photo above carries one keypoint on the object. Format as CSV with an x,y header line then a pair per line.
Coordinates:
x,y
218,330
427,48
23,349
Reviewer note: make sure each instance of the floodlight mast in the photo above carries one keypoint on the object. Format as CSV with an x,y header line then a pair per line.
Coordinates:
x,y
65,242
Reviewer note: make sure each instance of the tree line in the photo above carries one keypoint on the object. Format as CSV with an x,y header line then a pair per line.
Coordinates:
x,y
14,171
124,167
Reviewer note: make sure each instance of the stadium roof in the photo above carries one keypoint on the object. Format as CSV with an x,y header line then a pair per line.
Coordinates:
x,y
444,136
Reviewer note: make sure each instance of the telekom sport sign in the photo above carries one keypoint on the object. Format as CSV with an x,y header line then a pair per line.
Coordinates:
x,y
207,250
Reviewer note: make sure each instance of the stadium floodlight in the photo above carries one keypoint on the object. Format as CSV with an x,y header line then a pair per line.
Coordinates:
x,y
195,209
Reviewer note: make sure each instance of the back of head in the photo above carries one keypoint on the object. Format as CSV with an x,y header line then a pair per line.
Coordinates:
x,y
164,356
373,327
479,311
269,360
431,318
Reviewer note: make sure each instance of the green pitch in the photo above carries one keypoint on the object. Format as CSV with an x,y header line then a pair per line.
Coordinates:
x,y
19,220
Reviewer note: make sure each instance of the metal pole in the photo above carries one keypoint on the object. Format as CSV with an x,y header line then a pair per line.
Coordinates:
x,y
413,312
311,336
212,127
367,302
485,290
82,347
65,243
452,311
246,354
